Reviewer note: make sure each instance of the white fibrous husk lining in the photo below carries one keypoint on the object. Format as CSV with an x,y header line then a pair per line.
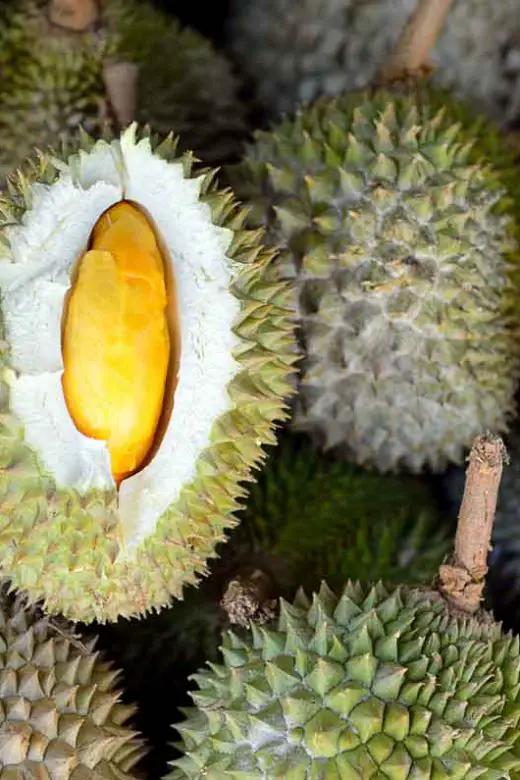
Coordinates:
x,y
46,247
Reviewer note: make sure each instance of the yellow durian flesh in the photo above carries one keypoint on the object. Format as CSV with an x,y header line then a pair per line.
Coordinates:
x,y
115,341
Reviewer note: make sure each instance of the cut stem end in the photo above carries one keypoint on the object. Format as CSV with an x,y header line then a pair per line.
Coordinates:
x,y
462,580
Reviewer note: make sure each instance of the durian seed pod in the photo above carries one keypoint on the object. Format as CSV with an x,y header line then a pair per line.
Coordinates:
x,y
147,354
294,53
396,214
375,682
60,714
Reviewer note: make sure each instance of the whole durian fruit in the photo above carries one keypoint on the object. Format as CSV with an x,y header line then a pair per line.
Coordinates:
x,y
52,80
296,50
147,353
377,682
61,716
313,517
395,214
307,516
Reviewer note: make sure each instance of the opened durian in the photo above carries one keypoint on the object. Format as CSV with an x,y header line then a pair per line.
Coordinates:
x,y
147,352
296,50
315,517
395,212
52,80
376,683
61,716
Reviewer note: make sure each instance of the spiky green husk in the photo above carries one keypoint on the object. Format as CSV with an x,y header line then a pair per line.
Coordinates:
x,y
185,85
376,683
396,215
295,52
60,714
65,548
52,81
322,518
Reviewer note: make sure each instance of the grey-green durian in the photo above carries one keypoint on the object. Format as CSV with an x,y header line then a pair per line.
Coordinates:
x,y
378,682
395,215
60,713
70,536
297,50
52,81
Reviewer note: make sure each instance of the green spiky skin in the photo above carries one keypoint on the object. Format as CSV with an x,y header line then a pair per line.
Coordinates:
x,y
52,81
81,574
323,518
295,52
378,683
185,86
401,240
60,715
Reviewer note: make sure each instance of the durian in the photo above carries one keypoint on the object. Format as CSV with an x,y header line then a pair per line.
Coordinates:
x,y
395,214
52,81
60,715
315,517
69,536
377,682
297,50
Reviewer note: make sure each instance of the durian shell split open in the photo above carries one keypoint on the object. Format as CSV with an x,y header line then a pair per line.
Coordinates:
x,y
67,536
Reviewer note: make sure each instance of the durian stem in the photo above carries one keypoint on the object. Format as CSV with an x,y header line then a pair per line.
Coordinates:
x,y
462,580
121,85
248,599
411,55
73,14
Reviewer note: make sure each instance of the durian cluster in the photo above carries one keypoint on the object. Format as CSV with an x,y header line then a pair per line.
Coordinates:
x,y
258,378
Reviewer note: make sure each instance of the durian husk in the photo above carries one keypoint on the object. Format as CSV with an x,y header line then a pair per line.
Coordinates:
x,y
63,548
376,682
53,81
396,213
61,715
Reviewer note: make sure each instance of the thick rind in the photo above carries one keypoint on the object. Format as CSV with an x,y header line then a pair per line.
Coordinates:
x,y
63,548
397,217
381,682
60,714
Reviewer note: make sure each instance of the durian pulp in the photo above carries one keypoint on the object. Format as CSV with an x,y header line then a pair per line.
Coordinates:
x,y
115,342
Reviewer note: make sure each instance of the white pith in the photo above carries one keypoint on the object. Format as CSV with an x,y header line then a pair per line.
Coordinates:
x,y
45,248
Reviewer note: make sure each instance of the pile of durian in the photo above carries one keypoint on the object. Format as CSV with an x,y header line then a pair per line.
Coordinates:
x,y
259,384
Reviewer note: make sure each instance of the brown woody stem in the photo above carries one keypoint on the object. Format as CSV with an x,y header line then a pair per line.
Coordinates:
x,y
462,580
411,55
248,599
73,14
121,85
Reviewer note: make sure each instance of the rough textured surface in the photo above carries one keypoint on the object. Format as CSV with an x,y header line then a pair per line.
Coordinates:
x,y
297,51
65,547
378,683
401,240
52,81
60,716
318,517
